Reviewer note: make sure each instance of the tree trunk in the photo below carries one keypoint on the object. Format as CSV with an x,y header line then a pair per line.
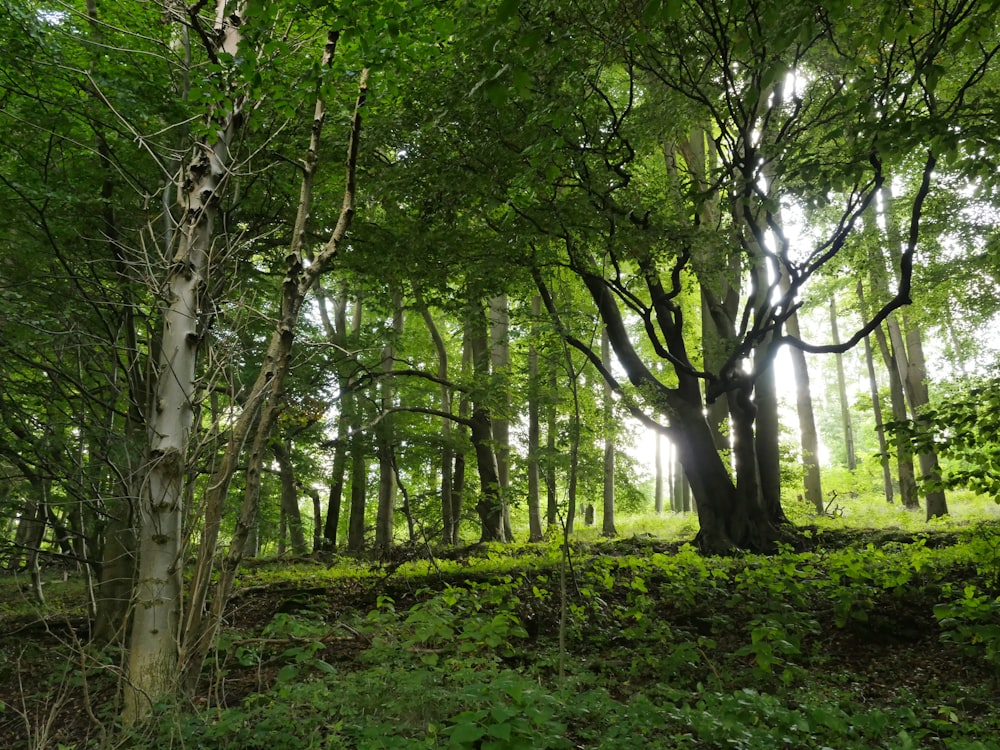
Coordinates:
x,y
551,430
317,517
290,498
490,504
449,522
883,447
335,327
464,411
385,437
919,395
574,460
608,515
489,507
153,652
359,487
808,439
114,589
658,478
726,517
766,443
263,403
358,448
534,430
912,365
500,367
897,399
729,516
338,469
845,410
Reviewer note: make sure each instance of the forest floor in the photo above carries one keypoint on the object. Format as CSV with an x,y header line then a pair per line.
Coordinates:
x,y
871,639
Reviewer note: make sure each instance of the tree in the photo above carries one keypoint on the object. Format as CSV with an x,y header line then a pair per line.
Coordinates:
x,y
153,650
608,507
767,75
535,533
845,410
962,427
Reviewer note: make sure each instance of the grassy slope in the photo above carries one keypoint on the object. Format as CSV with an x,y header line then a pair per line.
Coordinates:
x,y
838,647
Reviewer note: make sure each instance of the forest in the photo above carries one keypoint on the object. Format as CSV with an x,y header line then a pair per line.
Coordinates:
x,y
499,374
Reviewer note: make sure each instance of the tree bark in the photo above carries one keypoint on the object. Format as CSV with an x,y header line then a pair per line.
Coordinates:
x,y
384,436
114,589
358,449
883,447
335,327
919,395
500,368
729,516
338,470
263,404
913,369
845,410
359,487
534,428
608,510
808,438
449,521
290,498
153,651
464,413
766,442
551,431
490,504
897,399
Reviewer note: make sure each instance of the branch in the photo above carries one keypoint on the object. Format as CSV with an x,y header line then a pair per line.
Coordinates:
x,y
329,252
905,277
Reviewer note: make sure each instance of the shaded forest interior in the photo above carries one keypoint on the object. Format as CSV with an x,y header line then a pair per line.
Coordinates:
x,y
498,292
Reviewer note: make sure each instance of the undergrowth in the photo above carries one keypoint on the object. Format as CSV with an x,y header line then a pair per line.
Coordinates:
x,y
665,650
871,639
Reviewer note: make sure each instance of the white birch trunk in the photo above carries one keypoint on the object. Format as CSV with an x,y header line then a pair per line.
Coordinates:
x,y
152,662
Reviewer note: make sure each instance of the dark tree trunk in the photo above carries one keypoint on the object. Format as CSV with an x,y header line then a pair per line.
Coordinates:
x,y
290,498
608,515
461,435
766,444
385,436
551,430
534,430
449,521
490,506
912,366
359,488
335,498
915,384
499,337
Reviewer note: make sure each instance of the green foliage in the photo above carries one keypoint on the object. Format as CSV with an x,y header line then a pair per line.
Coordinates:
x,y
477,622
972,621
776,640
664,649
965,428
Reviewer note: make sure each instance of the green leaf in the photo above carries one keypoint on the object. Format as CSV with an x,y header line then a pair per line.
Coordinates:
x,y
465,734
508,9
